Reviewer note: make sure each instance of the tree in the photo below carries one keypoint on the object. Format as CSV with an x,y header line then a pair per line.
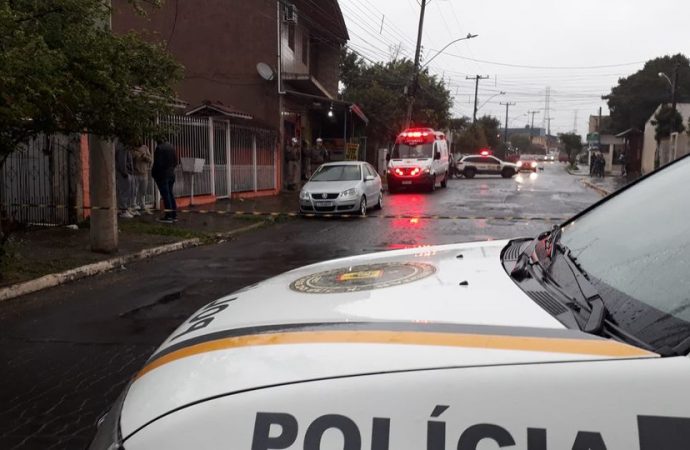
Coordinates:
x,y
379,89
63,71
520,142
635,98
572,144
471,140
490,126
667,121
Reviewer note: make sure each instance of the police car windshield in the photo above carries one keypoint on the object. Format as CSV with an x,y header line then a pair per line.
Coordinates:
x,y
412,151
636,249
338,173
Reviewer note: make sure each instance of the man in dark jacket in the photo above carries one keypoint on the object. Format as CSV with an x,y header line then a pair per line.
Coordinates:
x,y
163,172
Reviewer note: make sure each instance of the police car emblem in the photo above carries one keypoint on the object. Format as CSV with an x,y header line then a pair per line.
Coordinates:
x,y
362,278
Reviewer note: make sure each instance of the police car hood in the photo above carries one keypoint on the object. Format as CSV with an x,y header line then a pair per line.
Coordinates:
x,y
414,309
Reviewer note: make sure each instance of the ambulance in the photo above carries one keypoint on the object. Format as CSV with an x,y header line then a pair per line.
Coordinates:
x,y
576,338
419,159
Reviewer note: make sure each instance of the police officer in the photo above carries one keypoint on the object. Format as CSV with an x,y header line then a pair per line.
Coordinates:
x,y
292,157
306,161
319,154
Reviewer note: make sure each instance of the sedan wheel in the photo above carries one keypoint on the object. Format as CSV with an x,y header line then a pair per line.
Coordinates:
x,y
363,207
379,205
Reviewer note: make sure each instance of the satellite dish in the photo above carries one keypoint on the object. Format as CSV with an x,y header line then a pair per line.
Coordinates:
x,y
265,71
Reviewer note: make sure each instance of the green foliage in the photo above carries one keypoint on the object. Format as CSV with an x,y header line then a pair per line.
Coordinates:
x,y
471,140
521,142
572,145
635,98
490,126
379,89
63,71
667,121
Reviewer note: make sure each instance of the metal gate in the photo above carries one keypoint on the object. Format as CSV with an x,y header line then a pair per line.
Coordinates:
x,y
236,158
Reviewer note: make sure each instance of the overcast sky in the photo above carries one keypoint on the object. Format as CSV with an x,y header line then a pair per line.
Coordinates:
x,y
558,44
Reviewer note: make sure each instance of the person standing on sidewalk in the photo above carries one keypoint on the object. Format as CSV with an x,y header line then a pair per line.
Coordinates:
x,y
292,157
124,169
163,173
142,166
306,161
319,156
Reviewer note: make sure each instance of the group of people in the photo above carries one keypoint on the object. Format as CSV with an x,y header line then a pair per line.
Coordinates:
x,y
133,165
302,160
597,165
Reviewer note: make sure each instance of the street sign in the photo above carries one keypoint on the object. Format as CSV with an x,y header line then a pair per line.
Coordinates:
x,y
592,138
352,152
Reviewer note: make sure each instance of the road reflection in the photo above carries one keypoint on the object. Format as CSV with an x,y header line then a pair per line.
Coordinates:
x,y
531,178
413,230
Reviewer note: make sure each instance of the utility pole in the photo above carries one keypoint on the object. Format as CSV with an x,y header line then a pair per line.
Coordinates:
x,y
531,128
575,122
476,79
599,131
505,132
103,236
675,84
547,111
415,75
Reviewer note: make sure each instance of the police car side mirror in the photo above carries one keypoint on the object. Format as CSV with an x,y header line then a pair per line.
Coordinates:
x,y
437,155
369,178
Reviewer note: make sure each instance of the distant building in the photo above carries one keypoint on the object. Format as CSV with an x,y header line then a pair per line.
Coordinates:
x,y
263,63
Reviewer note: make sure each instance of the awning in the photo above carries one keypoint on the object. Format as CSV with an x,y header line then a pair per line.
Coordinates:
x,y
218,109
306,83
352,106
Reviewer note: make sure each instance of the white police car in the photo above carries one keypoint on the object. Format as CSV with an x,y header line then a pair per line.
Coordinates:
x,y
485,164
574,339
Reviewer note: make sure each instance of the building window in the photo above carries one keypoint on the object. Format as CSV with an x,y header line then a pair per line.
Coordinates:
x,y
305,48
291,35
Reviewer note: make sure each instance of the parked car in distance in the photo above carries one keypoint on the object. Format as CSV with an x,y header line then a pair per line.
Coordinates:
x,y
485,164
342,187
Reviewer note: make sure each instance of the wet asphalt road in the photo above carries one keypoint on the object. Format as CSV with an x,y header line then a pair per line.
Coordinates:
x,y
66,352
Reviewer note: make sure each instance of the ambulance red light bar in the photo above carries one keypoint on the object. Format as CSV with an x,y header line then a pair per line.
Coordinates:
x,y
417,135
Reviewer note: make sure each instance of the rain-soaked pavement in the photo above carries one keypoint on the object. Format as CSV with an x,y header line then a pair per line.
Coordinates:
x,y
66,352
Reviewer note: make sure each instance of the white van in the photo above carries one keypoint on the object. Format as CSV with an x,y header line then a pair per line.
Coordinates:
x,y
419,158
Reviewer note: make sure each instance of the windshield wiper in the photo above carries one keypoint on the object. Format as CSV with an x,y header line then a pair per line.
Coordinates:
x,y
597,308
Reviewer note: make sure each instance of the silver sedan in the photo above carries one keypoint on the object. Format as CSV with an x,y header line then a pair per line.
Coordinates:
x,y
342,187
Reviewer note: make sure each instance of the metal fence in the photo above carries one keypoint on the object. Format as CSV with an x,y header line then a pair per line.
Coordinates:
x,y
42,172
47,170
236,158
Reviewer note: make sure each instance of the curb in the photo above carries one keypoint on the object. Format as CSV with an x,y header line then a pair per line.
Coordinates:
x,y
89,270
602,191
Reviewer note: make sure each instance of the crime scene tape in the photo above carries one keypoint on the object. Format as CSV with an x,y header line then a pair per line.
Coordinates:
x,y
276,214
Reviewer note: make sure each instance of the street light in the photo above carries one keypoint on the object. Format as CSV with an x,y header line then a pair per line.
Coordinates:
x,y
487,101
469,36
672,84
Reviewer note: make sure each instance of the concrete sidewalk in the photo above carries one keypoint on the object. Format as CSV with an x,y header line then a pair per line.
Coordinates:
x,y
40,258
605,186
